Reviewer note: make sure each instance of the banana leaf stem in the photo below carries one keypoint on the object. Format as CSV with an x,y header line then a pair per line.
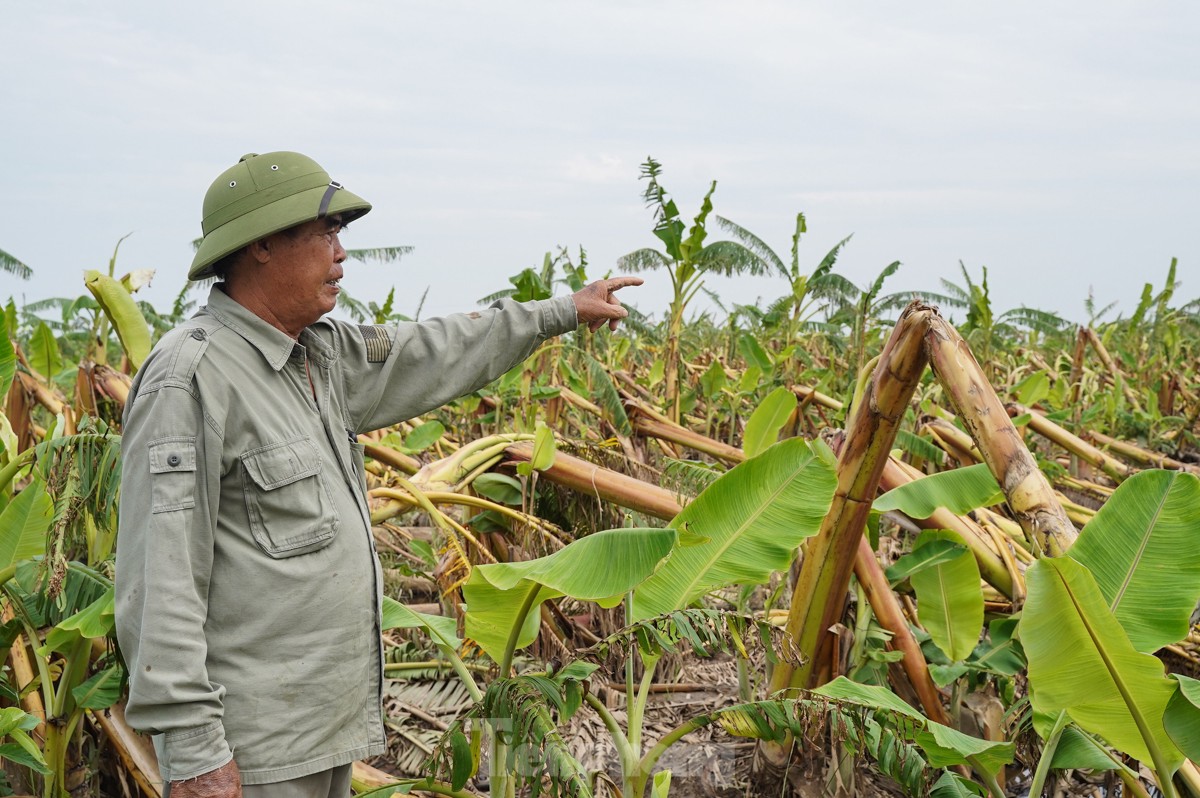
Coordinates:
x,y
10,471
510,647
1043,767
627,755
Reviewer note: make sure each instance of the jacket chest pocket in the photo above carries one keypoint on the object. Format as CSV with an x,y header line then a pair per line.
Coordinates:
x,y
288,501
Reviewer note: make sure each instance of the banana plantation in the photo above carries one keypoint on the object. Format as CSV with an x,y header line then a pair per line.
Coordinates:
x,y
846,542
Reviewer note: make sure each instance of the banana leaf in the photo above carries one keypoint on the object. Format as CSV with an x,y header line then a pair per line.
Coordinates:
x,y
8,357
952,785
43,353
750,522
443,630
762,429
100,691
1081,660
1182,719
602,567
959,491
24,523
120,308
1076,749
1141,547
943,745
929,554
93,621
950,598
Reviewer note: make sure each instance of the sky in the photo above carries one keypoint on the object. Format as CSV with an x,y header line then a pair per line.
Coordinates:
x,y
1057,144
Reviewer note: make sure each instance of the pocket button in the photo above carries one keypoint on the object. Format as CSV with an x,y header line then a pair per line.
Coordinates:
x,y
173,460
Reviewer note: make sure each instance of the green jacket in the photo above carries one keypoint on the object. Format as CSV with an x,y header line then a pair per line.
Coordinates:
x,y
248,590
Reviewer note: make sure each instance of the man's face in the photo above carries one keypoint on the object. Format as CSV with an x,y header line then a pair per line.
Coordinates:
x,y
304,270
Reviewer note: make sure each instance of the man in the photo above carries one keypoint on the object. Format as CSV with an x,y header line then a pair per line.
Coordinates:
x,y
248,590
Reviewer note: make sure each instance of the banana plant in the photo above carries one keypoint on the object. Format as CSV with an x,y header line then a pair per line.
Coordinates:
x,y
797,308
11,265
688,261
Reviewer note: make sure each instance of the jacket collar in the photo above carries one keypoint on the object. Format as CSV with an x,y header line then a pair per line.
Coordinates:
x,y
273,344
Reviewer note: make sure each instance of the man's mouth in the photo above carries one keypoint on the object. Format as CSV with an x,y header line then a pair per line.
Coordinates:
x,y
335,282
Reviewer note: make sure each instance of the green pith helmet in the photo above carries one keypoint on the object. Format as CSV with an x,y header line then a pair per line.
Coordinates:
x,y
263,194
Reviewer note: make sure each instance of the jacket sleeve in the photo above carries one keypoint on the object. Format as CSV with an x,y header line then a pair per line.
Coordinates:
x,y
395,373
169,493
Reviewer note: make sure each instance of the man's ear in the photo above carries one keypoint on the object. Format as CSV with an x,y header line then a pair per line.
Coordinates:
x,y
260,250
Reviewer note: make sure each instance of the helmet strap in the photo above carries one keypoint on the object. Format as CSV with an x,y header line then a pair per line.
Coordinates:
x,y
325,200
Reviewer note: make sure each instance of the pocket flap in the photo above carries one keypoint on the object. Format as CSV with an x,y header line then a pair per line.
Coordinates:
x,y
282,463
173,454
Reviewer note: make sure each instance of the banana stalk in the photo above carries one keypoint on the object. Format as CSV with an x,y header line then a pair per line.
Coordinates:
x,y
954,441
1076,378
450,473
1143,456
685,437
981,412
605,484
887,611
48,397
820,592
390,457
134,751
1113,371
1077,446
816,397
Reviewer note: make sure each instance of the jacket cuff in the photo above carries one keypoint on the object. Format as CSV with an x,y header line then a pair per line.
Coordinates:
x,y
559,315
188,753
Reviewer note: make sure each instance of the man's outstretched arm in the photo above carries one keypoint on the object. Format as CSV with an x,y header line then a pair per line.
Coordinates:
x,y
597,303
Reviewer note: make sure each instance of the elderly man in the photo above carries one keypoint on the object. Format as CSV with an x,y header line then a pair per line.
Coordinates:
x,y
248,590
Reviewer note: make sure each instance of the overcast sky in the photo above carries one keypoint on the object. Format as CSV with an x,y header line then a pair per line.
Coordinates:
x,y
1058,144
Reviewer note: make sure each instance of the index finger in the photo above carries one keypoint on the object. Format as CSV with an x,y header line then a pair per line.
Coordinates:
x,y
617,283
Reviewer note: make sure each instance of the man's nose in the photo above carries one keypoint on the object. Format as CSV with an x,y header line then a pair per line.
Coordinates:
x,y
339,252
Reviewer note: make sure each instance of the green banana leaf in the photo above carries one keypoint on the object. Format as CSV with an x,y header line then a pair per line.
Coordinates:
x,y
750,522
1182,719
8,356
950,598
15,724
762,429
754,353
100,691
443,630
93,621
1001,652
544,448
944,746
124,314
928,555
919,447
1081,660
602,567
952,785
1142,549
959,491
43,353
24,523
